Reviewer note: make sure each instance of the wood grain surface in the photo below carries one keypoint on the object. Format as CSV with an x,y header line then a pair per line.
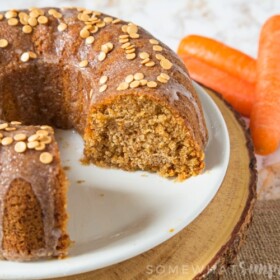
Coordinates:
x,y
210,243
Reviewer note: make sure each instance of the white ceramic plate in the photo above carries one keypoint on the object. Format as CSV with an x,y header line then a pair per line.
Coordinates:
x,y
116,215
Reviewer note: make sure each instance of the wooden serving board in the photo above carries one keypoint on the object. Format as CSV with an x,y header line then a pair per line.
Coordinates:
x,y
210,243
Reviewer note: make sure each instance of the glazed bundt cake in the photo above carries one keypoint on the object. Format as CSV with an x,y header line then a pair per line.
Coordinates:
x,y
33,194
126,93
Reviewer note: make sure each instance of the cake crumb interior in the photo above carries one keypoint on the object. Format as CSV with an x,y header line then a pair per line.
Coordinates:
x,y
136,132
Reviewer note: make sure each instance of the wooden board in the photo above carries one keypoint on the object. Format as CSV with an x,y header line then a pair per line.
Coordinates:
x,y
210,243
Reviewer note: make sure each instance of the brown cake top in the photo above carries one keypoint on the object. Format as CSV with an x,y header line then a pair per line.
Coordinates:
x,y
92,22
10,134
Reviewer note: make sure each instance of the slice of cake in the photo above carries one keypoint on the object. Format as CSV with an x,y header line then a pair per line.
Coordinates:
x,y
33,190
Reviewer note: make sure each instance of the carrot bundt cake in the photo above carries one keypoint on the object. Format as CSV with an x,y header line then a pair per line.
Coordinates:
x,y
126,93
32,194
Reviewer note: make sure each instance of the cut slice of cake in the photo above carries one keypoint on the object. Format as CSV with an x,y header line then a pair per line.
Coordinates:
x,y
33,190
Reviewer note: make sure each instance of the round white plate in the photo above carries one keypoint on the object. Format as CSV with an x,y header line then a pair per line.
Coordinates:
x,y
116,215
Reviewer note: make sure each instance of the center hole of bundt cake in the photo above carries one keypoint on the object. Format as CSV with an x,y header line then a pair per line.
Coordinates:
x,y
135,132
42,93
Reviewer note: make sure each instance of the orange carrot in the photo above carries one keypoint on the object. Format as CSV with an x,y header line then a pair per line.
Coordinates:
x,y
220,56
236,72
222,82
265,118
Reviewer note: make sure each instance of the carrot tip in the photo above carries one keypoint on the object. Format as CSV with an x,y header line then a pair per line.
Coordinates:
x,y
265,142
